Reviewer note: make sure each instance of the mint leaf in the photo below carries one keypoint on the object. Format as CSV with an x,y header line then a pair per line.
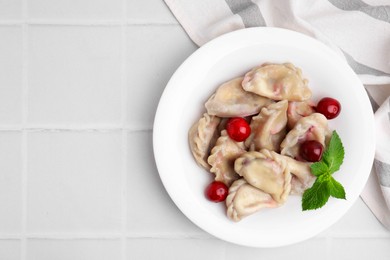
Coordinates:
x,y
325,185
316,196
324,177
334,154
319,168
336,189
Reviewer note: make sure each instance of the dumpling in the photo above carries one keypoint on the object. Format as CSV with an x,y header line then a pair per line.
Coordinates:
x,y
202,137
232,100
296,110
268,128
244,200
302,178
277,82
222,158
266,172
313,127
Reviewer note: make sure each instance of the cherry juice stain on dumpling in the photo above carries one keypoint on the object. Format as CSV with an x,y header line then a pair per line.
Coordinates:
x,y
268,128
231,100
277,82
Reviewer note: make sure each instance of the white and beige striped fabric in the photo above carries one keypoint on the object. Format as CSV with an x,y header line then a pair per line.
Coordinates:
x,y
358,30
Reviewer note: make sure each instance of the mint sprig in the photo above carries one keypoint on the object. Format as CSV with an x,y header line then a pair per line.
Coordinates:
x,y
325,185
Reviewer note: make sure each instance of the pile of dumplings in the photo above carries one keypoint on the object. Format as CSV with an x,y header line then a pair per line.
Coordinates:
x,y
262,171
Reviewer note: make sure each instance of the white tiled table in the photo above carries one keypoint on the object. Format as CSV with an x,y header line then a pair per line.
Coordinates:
x,y
79,85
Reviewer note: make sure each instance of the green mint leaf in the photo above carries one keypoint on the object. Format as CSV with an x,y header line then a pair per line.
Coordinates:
x,y
316,196
325,185
324,177
319,168
336,189
334,154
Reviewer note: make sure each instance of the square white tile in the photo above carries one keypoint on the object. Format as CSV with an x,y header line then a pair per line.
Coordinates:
x,y
11,66
75,9
359,221
10,9
315,248
93,249
360,248
150,211
10,182
10,250
175,249
140,12
154,53
74,182
74,75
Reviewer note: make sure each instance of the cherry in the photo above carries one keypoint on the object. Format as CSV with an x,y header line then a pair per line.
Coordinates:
x,y
329,107
217,191
311,151
238,129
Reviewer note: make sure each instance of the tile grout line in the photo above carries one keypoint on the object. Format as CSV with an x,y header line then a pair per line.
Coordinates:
x,y
142,235
23,236
99,235
124,132
74,129
124,194
25,66
73,22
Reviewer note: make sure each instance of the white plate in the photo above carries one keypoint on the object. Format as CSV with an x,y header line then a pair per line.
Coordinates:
x,y
224,58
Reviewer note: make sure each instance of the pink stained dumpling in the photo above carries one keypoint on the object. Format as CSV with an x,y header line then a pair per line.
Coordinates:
x,y
312,127
202,137
244,200
302,178
266,171
298,109
231,100
277,82
268,128
222,158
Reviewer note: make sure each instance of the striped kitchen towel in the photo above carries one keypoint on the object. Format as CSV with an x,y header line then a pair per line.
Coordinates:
x,y
357,30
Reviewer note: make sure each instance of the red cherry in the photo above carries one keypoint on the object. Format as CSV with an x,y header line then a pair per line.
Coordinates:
x,y
329,107
217,191
238,129
311,151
